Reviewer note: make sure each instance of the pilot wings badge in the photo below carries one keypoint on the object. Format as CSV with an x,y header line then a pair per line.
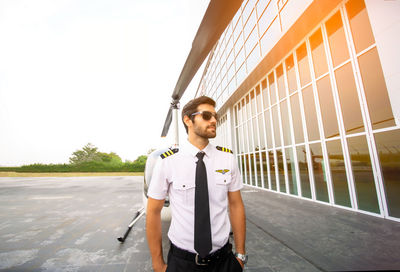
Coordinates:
x,y
222,171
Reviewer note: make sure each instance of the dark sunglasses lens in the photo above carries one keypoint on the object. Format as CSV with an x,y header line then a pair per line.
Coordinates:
x,y
207,115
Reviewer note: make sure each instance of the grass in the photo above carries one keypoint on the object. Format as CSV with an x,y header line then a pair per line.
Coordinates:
x,y
68,174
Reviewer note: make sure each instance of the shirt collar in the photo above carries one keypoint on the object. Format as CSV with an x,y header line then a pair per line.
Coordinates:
x,y
192,150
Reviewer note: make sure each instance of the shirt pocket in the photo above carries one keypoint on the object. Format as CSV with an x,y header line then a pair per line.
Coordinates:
x,y
222,182
184,192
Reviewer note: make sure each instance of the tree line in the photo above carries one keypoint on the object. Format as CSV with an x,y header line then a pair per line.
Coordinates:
x,y
88,159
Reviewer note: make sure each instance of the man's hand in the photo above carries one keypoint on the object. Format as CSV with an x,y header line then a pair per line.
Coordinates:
x,y
241,263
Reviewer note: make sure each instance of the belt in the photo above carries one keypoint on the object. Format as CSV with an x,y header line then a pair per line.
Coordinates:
x,y
194,257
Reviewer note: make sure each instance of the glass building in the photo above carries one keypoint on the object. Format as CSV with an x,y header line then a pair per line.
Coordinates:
x,y
309,95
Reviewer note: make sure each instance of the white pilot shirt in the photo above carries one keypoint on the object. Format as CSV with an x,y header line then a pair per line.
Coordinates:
x,y
175,176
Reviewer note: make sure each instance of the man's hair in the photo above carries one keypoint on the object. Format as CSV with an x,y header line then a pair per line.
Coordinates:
x,y
191,107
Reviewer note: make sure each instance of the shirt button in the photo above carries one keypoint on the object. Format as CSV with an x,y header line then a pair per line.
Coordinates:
x,y
183,185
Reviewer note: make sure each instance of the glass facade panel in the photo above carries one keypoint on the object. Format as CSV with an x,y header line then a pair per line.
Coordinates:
x,y
363,175
245,139
337,40
258,99
281,171
251,41
303,169
230,59
272,169
349,102
291,171
247,108
261,6
268,128
240,114
265,93
252,103
237,32
287,135
267,17
238,148
281,82
247,10
297,120
250,169
277,132
255,134
248,127
243,166
359,24
251,22
304,67
253,59
338,173
241,74
258,169
241,139
272,90
320,180
388,147
291,74
265,169
310,114
261,131
318,54
235,115
239,58
375,89
328,111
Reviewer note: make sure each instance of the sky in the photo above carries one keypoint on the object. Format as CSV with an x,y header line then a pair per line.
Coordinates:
x,y
74,72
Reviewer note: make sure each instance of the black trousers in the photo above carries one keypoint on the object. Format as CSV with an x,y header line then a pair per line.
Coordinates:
x,y
228,263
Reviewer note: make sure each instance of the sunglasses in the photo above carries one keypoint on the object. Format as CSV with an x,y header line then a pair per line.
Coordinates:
x,y
207,115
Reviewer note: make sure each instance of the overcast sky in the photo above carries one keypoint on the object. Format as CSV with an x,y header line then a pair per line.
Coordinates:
x,y
98,71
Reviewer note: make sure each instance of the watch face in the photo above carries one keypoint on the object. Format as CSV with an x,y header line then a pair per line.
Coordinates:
x,y
242,257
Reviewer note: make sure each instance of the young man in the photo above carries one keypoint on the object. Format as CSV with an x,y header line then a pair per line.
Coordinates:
x,y
202,182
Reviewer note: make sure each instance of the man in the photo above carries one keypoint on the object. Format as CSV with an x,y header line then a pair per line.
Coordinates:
x,y
202,181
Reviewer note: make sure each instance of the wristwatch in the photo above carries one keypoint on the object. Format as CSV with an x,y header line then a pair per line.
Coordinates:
x,y
242,257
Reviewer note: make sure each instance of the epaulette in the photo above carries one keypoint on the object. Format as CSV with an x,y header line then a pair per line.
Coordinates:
x,y
169,153
224,149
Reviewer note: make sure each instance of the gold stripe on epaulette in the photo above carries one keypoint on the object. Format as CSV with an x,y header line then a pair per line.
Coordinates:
x,y
169,153
224,149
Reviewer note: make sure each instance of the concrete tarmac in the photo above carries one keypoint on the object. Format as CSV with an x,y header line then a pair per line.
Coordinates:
x,y
72,224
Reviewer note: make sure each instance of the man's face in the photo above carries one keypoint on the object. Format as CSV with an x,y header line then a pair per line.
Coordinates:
x,y
204,128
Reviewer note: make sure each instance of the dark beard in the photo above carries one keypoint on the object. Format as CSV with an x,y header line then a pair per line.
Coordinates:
x,y
204,134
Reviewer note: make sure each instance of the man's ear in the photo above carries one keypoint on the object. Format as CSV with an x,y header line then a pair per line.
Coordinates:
x,y
187,120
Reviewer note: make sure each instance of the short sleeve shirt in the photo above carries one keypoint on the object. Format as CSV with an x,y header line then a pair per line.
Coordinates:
x,y
174,176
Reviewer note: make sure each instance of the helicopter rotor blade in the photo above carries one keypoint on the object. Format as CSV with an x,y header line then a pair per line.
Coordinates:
x,y
218,15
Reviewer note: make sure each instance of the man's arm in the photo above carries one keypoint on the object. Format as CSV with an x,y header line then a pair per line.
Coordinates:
x,y
154,235
238,221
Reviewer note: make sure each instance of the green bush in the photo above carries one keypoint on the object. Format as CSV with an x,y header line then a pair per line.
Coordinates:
x,y
8,169
93,166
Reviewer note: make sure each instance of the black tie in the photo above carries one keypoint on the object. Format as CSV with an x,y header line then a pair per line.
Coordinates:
x,y
202,226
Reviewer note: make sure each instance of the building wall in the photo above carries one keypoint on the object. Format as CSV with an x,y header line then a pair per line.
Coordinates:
x,y
322,121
